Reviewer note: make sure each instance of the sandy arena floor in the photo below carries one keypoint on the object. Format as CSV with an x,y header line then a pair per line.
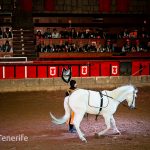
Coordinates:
x,y
27,113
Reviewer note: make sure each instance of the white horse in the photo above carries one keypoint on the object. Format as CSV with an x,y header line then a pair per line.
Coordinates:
x,y
103,103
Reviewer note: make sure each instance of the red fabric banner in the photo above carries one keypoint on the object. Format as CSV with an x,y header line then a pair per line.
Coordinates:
x,y
26,5
122,5
104,6
49,5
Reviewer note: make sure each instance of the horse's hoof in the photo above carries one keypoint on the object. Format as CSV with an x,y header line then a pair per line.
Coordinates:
x,y
97,136
84,140
118,133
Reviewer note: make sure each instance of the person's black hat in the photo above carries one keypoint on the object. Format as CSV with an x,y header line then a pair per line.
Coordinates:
x,y
72,83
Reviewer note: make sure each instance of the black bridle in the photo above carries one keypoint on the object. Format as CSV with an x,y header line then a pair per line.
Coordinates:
x,y
133,98
132,101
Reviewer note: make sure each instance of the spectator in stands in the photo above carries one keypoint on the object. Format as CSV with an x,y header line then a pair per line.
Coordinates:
x,y
71,47
99,34
47,34
99,47
74,47
133,49
38,35
6,47
115,47
64,34
55,34
143,45
73,33
139,46
87,34
136,46
125,34
108,46
143,33
93,47
81,34
127,46
1,33
107,35
92,34
66,47
0,48
87,47
134,34
7,33
58,48
47,48
81,48
148,46
41,47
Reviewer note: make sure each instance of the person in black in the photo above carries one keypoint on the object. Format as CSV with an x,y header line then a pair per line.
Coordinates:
x,y
6,47
47,34
7,33
127,46
73,86
1,33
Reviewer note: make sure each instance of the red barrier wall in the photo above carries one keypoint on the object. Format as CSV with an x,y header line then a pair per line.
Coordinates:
x,y
42,72
20,72
9,72
75,73
80,68
31,72
95,69
140,68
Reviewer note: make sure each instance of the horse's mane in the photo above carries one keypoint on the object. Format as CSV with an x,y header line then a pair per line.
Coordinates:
x,y
122,90
129,86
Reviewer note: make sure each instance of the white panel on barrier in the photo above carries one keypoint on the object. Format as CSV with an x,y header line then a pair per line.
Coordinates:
x,y
10,60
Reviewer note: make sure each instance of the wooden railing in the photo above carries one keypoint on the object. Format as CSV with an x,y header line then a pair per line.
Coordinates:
x,y
93,56
78,41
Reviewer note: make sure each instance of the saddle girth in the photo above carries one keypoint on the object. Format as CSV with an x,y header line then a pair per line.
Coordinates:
x,y
101,104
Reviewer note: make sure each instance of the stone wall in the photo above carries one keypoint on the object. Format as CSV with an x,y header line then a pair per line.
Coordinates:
x,y
51,84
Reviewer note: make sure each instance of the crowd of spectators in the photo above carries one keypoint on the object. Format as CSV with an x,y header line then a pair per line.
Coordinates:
x,y
133,41
73,40
5,39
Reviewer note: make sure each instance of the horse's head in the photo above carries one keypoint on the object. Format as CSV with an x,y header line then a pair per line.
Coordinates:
x,y
131,98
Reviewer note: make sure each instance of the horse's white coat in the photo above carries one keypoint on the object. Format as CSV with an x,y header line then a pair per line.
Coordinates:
x,y
84,101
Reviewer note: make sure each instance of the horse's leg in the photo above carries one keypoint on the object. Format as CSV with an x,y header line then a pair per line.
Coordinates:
x,y
107,122
77,120
113,124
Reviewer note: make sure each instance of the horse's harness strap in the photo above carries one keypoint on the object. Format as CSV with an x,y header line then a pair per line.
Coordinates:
x,y
106,95
101,104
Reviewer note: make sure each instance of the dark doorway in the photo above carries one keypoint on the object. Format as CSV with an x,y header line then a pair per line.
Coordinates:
x,y
125,68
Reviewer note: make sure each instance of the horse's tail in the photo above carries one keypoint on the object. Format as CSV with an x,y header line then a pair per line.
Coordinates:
x,y
65,117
